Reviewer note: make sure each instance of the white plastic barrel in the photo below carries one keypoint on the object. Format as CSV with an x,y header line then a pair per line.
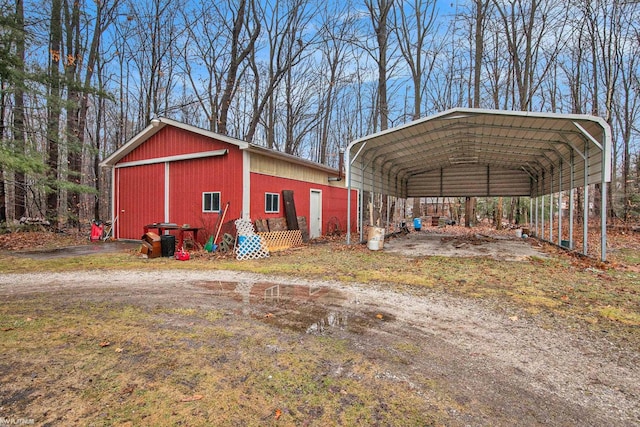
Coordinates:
x,y
375,240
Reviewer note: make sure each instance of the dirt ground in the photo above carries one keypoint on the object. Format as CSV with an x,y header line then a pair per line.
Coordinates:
x,y
435,242
499,366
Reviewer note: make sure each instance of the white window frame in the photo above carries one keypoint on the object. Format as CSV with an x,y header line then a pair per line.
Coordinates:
x,y
211,193
277,196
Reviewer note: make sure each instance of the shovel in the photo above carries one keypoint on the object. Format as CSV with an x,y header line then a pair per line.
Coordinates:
x,y
209,245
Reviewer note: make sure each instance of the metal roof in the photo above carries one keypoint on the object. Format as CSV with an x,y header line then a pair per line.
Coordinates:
x,y
478,152
159,123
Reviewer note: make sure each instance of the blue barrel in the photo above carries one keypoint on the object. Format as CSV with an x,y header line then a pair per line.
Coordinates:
x,y
417,224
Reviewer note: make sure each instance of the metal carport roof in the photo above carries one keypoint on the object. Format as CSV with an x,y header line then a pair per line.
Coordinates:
x,y
465,152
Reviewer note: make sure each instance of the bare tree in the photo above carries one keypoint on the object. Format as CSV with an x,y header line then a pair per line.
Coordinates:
x,y
534,31
79,65
285,24
380,15
627,106
416,32
414,29
336,37
152,52
220,37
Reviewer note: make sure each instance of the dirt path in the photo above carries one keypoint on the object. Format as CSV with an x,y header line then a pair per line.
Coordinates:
x,y
500,366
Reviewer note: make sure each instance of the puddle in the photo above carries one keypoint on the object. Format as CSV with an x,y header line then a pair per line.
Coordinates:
x,y
75,251
302,308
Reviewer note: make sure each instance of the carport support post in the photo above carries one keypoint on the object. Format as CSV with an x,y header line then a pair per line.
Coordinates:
x,y
603,210
362,205
551,206
388,211
571,197
348,204
542,219
560,205
536,220
585,201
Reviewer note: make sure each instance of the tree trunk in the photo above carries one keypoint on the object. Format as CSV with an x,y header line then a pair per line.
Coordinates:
x,y
237,56
480,17
417,207
470,211
3,197
379,15
73,131
499,214
20,192
54,112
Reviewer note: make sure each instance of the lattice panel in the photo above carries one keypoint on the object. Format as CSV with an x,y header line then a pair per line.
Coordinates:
x,y
281,240
251,247
244,227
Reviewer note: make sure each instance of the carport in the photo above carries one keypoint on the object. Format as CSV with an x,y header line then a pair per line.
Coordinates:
x,y
465,152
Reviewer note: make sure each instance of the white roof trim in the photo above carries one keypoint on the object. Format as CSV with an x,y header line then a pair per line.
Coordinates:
x,y
177,158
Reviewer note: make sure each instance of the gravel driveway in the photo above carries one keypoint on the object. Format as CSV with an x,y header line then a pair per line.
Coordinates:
x,y
503,366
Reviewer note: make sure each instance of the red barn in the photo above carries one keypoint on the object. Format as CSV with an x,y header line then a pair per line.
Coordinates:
x,y
172,172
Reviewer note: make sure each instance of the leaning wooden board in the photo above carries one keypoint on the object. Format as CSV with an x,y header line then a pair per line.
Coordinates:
x,y
290,210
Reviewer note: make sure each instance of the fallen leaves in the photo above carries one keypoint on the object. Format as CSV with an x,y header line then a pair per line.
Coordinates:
x,y
19,241
128,389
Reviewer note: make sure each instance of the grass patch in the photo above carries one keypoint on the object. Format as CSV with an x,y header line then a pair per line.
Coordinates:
x,y
620,315
73,362
629,256
106,364
560,284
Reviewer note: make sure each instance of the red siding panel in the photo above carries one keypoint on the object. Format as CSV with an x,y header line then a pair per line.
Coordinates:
x,y
171,141
140,190
334,200
140,199
189,179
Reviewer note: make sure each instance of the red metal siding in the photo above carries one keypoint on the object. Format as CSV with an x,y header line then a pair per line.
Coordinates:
x,y
334,206
190,178
140,190
140,199
334,200
172,141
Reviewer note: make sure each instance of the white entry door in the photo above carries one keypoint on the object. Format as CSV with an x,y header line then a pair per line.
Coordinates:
x,y
315,214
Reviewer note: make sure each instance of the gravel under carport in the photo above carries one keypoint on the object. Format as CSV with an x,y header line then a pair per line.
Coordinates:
x,y
457,242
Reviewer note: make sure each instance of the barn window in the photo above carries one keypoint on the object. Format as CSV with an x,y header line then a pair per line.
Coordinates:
x,y
211,202
271,202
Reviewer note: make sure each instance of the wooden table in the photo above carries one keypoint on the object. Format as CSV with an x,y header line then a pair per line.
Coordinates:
x,y
162,227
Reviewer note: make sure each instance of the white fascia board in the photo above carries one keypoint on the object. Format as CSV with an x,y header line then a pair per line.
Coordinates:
x,y
132,144
176,158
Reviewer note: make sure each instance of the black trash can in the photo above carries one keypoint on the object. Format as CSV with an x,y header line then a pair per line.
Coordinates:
x,y
168,242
